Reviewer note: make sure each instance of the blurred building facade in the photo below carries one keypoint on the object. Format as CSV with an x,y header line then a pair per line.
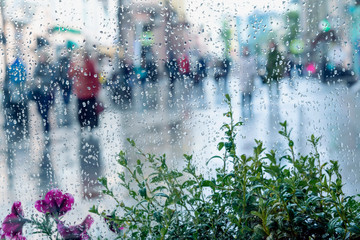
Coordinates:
x,y
160,27
315,13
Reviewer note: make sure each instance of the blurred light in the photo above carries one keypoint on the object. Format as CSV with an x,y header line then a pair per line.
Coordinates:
x,y
324,25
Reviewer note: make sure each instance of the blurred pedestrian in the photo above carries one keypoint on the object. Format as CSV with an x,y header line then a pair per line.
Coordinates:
x,y
274,68
122,84
15,107
152,80
201,72
183,64
199,75
173,73
16,101
65,82
86,89
43,86
141,75
221,73
247,73
148,75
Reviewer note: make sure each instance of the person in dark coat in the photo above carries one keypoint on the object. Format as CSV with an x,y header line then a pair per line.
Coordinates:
x,y
64,82
274,67
173,73
43,91
221,73
15,100
122,83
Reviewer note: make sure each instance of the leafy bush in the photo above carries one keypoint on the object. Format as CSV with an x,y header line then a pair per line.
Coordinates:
x,y
263,196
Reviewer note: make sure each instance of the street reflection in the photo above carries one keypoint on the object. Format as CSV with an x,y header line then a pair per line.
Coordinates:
x,y
90,165
46,170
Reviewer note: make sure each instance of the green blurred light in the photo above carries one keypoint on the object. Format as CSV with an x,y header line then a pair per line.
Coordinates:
x,y
297,46
325,25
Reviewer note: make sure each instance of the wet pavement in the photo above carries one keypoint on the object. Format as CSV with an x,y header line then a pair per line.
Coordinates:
x,y
189,123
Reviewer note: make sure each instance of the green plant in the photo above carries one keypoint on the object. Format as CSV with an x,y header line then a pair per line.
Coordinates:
x,y
262,196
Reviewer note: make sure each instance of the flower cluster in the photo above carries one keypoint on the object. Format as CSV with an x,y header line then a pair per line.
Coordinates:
x,y
53,206
13,223
55,203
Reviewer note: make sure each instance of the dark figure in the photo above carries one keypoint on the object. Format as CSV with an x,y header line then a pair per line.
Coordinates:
x,y
65,83
247,72
15,101
43,92
198,76
221,74
16,114
148,75
152,80
90,166
122,83
201,72
152,72
274,68
173,72
321,44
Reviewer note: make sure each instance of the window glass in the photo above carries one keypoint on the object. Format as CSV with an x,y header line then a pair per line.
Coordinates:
x,y
80,77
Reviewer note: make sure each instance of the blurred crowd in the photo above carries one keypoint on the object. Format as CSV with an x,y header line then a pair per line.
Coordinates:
x,y
81,73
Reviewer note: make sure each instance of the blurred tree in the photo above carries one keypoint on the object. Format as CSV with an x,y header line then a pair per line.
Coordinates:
x,y
226,37
292,19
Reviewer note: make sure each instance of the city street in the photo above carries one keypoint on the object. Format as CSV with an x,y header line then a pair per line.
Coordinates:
x,y
191,126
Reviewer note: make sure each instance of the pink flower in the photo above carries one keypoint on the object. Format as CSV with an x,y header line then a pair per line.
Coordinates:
x,y
56,203
78,232
13,223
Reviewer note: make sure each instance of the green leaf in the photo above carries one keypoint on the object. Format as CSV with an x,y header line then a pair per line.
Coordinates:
x,y
220,145
188,183
207,183
193,200
159,188
354,229
227,96
259,215
161,195
188,157
142,192
132,142
94,209
103,181
214,157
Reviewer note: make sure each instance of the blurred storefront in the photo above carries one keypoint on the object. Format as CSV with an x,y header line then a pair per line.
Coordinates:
x,y
153,26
